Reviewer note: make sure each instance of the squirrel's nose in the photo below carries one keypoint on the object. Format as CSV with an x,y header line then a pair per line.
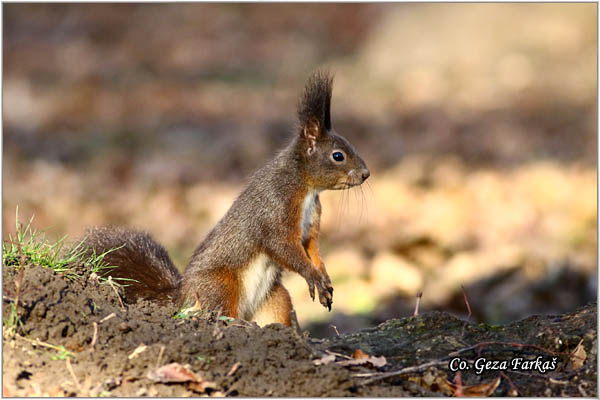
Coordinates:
x,y
365,174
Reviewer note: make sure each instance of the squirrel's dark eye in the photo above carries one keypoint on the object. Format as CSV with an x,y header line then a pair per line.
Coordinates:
x,y
338,156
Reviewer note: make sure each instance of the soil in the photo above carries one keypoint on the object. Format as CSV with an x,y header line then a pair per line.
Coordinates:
x,y
241,359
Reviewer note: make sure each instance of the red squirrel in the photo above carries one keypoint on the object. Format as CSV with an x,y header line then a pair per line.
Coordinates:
x,y
271,226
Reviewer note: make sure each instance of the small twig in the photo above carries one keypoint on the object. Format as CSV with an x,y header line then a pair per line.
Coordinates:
x,y
234,368
481,345
419,295
557,382
109,316
70,368
112,285
402,371
468,309
335,329
513,389
466,301
94,337
38,342
160,354
138,350
530,375
338,354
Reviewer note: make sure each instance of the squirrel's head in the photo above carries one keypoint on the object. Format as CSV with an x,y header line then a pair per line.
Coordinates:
x,y
332,162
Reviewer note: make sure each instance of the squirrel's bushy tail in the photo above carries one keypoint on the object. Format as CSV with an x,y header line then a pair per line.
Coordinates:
x,y
139,257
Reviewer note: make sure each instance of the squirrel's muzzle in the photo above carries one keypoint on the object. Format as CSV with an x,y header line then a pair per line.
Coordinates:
x,y
365,174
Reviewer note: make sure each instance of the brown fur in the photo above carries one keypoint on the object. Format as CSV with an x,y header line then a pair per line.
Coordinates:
x,y
273,224
277,308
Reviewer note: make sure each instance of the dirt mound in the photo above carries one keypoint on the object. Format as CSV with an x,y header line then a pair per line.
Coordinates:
x,y
76,337
274,360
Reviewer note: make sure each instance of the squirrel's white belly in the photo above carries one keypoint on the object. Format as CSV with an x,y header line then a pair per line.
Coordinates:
x,y
308,206
258,279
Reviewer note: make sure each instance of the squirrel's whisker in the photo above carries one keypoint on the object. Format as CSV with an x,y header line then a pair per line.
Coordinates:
x,y
361,204
371,191
338,219
364,203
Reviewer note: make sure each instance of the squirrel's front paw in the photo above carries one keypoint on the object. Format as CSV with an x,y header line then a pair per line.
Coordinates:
x,y
327,280
323,284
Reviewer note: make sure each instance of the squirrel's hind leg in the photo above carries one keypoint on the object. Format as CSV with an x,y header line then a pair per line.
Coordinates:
x,y
216,290
276,308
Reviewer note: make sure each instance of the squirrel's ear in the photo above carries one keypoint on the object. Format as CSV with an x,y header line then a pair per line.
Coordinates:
x,y
311,132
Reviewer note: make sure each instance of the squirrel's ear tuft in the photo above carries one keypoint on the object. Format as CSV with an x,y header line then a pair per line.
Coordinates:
x,y
315,104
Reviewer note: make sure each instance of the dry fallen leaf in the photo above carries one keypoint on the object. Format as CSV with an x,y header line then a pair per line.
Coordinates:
x,y
481,390
458,385
436,381
173,372
137,351
358,353
374,361
324,360
578,356
176,373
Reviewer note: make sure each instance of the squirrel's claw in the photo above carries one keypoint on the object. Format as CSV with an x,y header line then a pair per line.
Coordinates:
x,y
326,297
329,298
323,289
311,290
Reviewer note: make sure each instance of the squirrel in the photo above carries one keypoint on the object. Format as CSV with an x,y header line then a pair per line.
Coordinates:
x,y
272,225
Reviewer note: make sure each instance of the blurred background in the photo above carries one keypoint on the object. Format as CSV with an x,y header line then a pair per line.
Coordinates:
x,y
478,122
